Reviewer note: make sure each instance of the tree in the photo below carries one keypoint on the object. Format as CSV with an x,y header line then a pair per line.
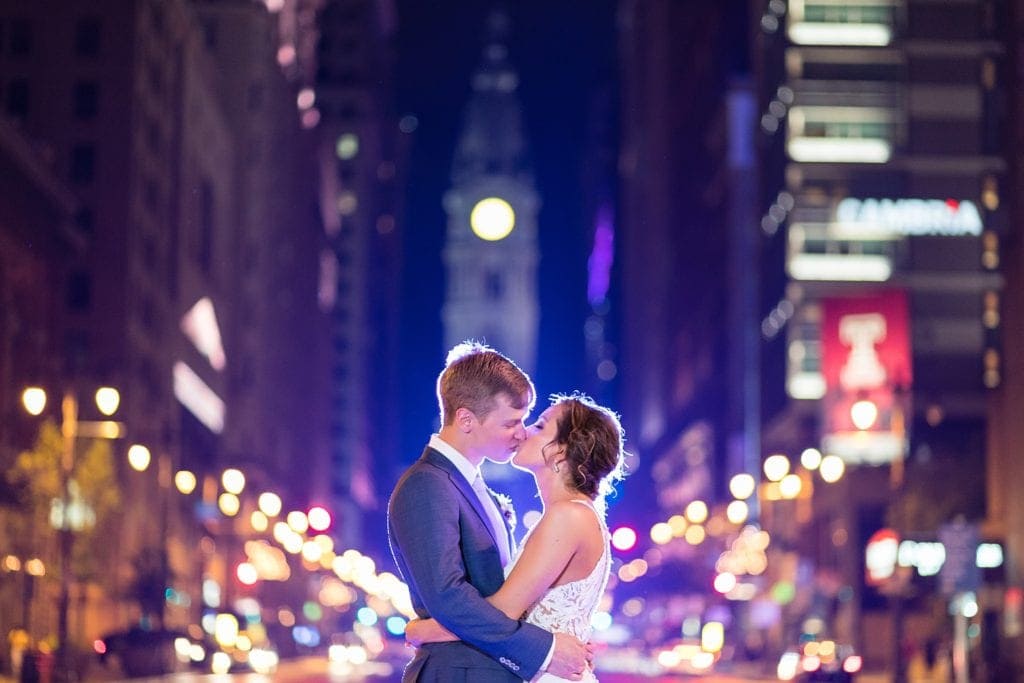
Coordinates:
x,y
36,477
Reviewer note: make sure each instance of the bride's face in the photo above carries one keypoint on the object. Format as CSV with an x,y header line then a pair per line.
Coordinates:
x,y
531,454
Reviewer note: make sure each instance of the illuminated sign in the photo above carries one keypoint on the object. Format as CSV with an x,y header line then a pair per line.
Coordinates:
x,y
865,218
200,326
880,556
866,363
193,393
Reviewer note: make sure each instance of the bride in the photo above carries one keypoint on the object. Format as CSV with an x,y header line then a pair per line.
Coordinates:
x,y
574,452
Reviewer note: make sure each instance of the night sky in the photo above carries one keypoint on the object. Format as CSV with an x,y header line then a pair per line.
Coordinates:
x,y
565,55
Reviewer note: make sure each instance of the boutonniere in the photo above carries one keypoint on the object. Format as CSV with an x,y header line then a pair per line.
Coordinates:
x,y
506,509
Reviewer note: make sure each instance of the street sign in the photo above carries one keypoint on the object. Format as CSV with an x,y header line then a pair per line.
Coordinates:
x,y
960,572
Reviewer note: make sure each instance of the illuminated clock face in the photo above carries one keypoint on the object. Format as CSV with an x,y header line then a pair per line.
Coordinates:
x,y
492,219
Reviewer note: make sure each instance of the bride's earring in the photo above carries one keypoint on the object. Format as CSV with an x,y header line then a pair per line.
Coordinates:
x,y
556,468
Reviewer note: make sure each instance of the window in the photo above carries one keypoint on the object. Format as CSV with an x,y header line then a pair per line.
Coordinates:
x,y
85,219
839,134
210,27
17,98
20,39
254,96
842,22
154,140
76,349
83,163
79,294
803,368
151,195
86,95
87,37
156,78
156,17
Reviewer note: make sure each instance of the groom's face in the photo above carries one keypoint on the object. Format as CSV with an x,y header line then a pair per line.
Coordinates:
x,y
499,433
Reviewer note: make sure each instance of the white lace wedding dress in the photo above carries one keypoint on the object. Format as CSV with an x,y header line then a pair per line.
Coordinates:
x,y
570,607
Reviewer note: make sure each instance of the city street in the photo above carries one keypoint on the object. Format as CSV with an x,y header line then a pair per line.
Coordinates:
x,y
318,670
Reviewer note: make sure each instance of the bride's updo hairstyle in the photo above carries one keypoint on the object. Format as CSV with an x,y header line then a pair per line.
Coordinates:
x,y
592,438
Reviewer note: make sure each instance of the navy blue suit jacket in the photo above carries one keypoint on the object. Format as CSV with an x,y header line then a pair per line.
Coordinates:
x,y
447,555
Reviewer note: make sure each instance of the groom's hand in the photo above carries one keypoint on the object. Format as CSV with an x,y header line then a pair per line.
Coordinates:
x,y
571,657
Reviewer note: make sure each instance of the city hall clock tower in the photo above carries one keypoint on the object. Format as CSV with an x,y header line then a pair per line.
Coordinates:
x,y
490,251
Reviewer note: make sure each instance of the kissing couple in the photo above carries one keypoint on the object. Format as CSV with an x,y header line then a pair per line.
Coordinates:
x,y
487,611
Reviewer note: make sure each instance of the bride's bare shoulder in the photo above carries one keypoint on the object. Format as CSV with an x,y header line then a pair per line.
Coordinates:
x,y
569,513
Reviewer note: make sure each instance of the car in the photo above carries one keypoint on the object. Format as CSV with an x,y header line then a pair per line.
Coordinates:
x,y
819,661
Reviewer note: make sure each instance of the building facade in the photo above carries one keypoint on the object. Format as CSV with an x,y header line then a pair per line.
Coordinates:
x,y
883,200
360,159
175,125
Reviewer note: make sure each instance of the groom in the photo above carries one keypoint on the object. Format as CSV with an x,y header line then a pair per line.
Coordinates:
x,y
450,541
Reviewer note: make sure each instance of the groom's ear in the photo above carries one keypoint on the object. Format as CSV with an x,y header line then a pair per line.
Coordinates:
x,y
464,419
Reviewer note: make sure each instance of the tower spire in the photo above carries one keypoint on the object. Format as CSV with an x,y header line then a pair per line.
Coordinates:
x,y
491,247
492,140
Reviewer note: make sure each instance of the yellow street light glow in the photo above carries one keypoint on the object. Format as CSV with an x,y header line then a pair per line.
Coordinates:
x,y
661,533
742,486
34,400
810,458
325,542
258,521
298,521
790,486
107,400
697,511
233,481
695,534
139,457
228,504
832,468
737,512
270,504
776,467
492,219
185,481
678,524
311,552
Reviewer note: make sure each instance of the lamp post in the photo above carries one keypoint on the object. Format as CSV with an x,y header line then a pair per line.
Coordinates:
x,y
107,401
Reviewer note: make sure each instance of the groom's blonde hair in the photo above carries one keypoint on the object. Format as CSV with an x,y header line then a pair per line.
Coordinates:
x,y
474,376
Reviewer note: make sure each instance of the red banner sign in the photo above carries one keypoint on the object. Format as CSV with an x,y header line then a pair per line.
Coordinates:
x,y
866,363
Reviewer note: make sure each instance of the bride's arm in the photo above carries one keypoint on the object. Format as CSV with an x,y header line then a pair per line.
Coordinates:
x,y
543,559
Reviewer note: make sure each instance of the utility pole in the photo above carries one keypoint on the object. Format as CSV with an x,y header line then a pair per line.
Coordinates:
x,y
69,429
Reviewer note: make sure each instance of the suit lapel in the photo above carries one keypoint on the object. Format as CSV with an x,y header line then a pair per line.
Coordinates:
x,y
434,458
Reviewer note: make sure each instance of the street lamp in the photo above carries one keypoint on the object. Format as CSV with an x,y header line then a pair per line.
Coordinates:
x,y
107,401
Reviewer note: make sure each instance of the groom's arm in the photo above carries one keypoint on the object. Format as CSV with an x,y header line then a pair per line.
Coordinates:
x,y
424,522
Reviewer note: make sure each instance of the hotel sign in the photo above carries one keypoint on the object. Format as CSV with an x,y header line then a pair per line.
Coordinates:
x,y
907,217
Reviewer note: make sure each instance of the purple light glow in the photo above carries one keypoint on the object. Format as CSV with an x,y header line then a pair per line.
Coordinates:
x,y
599,265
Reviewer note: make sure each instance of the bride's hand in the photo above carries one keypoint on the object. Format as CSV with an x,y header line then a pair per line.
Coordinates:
x,y
420,631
